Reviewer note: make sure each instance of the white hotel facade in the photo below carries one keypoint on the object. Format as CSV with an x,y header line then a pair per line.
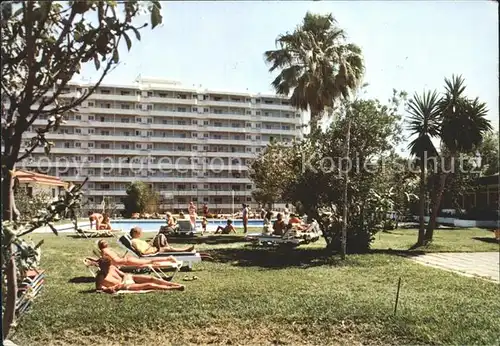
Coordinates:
x,y
188,144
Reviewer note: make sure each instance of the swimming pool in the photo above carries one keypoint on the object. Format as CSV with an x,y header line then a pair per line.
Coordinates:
x,y
154,225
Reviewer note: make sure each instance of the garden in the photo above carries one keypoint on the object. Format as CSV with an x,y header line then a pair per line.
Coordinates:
x,y
356,285
250,295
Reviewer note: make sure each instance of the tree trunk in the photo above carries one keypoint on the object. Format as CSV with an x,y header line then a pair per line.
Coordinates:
x,y
10,301
343,239
436,204
421,228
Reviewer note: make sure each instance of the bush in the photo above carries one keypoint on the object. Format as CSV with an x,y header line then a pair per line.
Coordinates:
x,y
359,235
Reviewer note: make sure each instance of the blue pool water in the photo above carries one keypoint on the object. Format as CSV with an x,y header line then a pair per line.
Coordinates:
x,y
154,225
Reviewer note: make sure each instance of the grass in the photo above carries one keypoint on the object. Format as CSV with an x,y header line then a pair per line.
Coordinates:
x,y
444,240
266,296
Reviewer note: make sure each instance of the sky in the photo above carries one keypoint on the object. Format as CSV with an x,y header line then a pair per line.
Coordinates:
x,y
407,45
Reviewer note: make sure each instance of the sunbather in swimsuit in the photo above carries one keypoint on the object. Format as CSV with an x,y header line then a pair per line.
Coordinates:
x,y
111,280
279,225
97,218
116,260
146,249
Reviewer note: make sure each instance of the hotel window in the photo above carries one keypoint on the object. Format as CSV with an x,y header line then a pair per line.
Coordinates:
x,y
150,146
91,117
91,104
194,109
150,120
78,131
257,113
67,145
150,133
125,146
124,106
78,144
206,110
195,134
105,92
126,133
125,92
78,117
90,145
149,107
104,133
105,146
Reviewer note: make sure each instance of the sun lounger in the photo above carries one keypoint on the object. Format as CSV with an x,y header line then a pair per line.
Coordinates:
x,y
294,236
187,258
157,269
185,227
90,233
29,288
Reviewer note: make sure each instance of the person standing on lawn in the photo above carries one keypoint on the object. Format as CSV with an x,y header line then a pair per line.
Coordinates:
x,y
245,217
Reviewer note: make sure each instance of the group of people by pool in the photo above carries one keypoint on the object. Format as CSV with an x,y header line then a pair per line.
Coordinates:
x,y
111,279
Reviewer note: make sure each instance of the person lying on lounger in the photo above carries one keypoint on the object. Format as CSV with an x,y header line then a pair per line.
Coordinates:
x,y
146,249
294,221
116,260
111,280
279,226
226,229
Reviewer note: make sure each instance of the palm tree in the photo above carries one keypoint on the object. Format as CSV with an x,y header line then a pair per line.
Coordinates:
x,y
318,67
462,129
424,122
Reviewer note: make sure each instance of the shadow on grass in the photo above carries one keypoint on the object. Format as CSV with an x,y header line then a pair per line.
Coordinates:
x,y
487,240
82,280
278,257
209,240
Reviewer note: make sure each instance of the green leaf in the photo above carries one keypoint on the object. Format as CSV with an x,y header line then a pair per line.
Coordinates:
x,y
40,243
53,229
156,17
137,33
97,62
127,40
116,57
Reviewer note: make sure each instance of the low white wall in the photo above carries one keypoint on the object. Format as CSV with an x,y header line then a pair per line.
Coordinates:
x,y
464,223
476,223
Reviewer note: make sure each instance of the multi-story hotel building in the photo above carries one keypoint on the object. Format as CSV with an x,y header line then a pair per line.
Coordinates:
x,y
188,144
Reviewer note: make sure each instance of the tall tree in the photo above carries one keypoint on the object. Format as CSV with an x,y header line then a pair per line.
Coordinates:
x,y
424,123
44,46
318,67
140,199
463,126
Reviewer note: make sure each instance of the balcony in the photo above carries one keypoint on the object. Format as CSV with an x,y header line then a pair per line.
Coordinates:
x,y
169,100
265,106
114,97
224,103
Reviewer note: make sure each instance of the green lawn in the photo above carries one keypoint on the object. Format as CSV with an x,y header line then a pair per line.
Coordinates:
x,y
444,240
264,296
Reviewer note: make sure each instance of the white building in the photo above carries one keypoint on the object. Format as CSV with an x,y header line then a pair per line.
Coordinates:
x,y
188,144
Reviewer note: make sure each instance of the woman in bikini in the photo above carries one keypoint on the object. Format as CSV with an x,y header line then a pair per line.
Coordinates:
x,y
111,280
116,260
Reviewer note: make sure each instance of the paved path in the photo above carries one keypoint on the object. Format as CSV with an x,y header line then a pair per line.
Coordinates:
x,y
485,265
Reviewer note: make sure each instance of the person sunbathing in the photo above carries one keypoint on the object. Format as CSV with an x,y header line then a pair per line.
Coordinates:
x,y
171,224
294,221
116,260
110,279
106,223
146,249
226,229
279,225
98,218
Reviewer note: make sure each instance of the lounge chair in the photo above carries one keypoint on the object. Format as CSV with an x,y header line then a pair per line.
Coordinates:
x,y
29,288
90,233
185,227
293,236
187,258
92,265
